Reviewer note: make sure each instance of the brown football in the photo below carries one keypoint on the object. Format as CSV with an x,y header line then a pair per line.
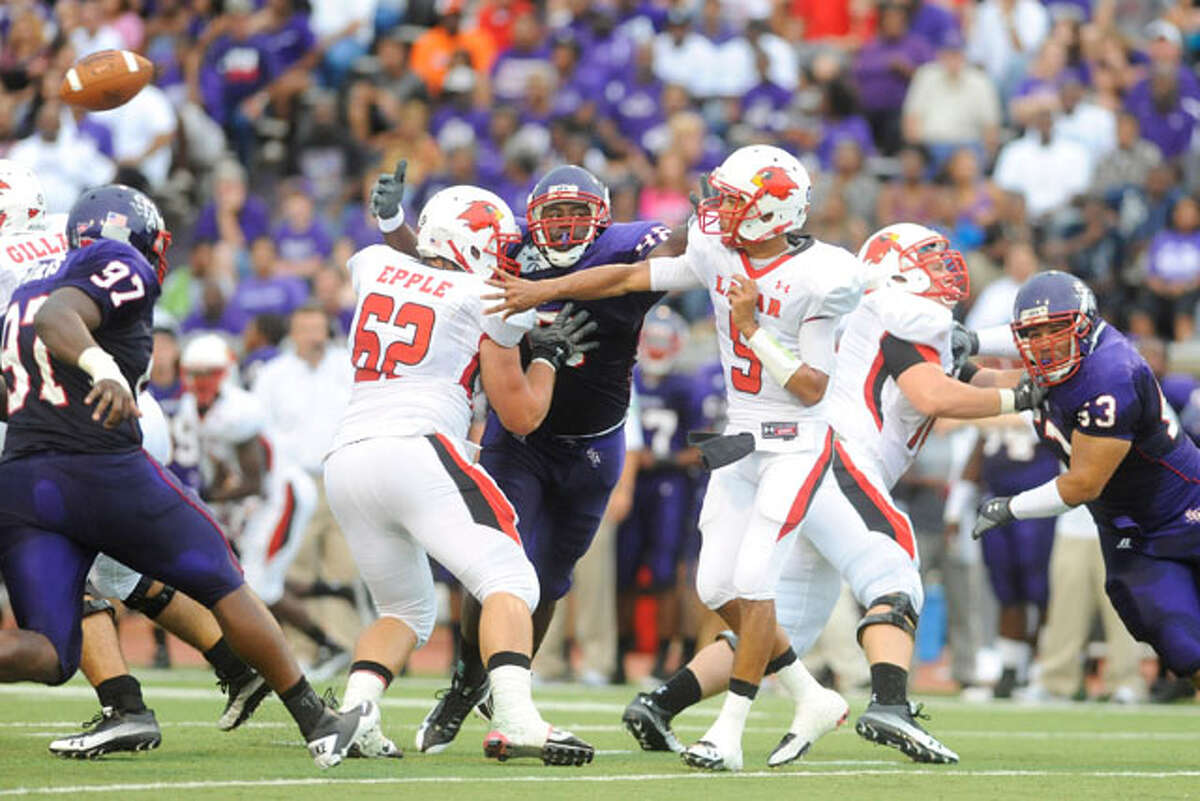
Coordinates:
x,y
105,79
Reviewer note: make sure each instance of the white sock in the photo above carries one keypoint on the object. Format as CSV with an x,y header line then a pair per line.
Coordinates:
x,y
1014,654
512,695
727,729
796,679
363,685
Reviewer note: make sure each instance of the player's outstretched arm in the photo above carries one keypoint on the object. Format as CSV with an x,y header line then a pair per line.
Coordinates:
x,y
1093,462
386,196
935,394
518,294
522,398
65,324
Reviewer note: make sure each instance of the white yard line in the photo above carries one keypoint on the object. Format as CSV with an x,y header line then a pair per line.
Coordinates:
x,y
576,778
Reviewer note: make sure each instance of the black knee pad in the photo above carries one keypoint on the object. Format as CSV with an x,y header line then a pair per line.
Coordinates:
x,y
150,607
902,615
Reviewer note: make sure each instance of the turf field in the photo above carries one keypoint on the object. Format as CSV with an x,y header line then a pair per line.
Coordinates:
x,y
1088,751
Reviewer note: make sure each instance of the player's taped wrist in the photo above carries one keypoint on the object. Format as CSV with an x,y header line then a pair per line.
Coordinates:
x,y
1041,501
963,495
548,362
392,223
100,365
779,362
1008,401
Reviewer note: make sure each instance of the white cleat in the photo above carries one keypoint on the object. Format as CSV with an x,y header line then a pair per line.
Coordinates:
x,y
374,744
821,712
707,755
338,731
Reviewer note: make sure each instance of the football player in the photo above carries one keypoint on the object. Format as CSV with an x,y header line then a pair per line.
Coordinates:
x,y
29,240
247,478
419,338
655,533
76,337
559,476
1126,459
894,376
745,248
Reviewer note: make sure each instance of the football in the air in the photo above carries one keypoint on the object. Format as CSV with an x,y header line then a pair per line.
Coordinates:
x,y
105,79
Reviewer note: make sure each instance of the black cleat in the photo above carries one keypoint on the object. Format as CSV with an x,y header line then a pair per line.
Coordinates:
x,y
650,725
441,725
558,747
111,731
896,725
333,737
1004,686
244,693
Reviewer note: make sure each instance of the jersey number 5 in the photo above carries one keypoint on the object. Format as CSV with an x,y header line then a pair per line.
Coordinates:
x,y
15,374
748,380
410,329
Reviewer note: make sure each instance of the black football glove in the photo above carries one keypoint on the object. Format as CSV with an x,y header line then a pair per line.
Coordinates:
x,y
1028,394
964,343
563,338
388,192
993,512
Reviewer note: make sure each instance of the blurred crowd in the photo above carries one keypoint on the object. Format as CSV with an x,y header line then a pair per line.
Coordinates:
x,y
1066,125
1036,135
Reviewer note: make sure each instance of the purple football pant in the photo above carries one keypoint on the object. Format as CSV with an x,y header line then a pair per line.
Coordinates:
x,y
654,533
59,510
1017,557
559,487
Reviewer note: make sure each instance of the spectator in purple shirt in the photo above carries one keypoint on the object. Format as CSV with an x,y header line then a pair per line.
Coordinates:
x,y
332,291
883,69
763,107
288,35
512,68
1168,302
578,90
931,21
1165,102
214,312
236,70
301,237
633,100
265,291
233,216
841,122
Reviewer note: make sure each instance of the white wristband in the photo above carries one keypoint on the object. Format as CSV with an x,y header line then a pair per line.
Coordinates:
x,y
544,361
1008,401
96,362
780,362
1041,501
392,223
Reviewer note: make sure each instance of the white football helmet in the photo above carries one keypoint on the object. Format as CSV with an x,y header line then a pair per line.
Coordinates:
x,y
206,364
470,227
762,192
916,259
664,335
22,201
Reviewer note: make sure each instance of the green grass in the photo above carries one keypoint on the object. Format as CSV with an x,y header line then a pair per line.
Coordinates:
x,y
1085,751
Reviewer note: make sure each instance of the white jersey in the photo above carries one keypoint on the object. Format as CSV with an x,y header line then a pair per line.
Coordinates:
x,y
415,346
867,409
45,247
821,281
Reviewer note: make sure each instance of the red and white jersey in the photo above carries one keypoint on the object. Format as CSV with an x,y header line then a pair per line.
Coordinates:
x,y
19,253
866,407
817,282
415,346
235,417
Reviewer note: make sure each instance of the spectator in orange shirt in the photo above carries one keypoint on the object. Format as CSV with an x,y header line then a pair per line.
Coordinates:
x,y
434,50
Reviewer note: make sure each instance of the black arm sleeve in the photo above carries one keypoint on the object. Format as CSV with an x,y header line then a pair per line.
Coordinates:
x,y
899,355
968,371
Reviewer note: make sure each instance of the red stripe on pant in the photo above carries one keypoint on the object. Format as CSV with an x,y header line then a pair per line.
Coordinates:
x,y
282,529
804,496
899,524
505,513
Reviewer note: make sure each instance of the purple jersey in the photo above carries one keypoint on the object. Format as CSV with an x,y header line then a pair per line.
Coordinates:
x,y
185,433
46,411
593,396
669,405
1156,488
